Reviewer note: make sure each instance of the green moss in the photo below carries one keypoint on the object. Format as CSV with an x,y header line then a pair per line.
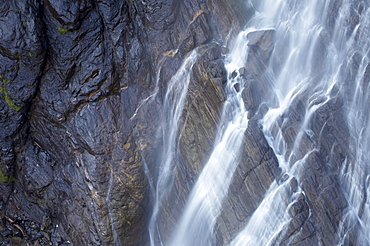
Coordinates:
x,y
62,30
5,178
6,97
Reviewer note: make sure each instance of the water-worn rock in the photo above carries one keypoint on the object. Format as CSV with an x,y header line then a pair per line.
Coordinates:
x,y
320,152
201,116
82,85
258,168
74,132
260,45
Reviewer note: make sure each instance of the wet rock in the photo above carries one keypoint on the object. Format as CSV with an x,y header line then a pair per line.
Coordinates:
x,y
81,92
234,74
35,166
294,185
237,87
298,207
299,213
253,73
243,72
201,115
22,51
318,187
261,45
284,178
74,131
301,196
243,11
258,168
16,240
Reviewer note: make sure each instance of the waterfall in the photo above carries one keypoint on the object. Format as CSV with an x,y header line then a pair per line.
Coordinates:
x,y
355,173
205,201
320,61
172,109
301,32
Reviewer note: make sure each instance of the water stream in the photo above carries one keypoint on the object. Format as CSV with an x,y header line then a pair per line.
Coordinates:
x,y
321,53
205,201
172,109
303,28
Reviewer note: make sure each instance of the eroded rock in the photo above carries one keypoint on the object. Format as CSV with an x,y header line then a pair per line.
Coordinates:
x,y
75,134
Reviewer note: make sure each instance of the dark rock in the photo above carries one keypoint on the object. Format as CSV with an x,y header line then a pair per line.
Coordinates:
x,y
284,178
36,168
251,95
16,240
201,115
294,185
317,186
83,70
258,168
298,207
237,87
243,11
301,196
256,83
22,53
261,45
234,74
82,85
243,72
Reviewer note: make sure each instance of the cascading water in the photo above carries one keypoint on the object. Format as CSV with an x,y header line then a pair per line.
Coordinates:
x,y
320,59
299,27
355,173
173,106
205,201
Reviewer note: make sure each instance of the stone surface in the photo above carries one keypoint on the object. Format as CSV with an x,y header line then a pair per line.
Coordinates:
x,y
82,85
73,75
257,170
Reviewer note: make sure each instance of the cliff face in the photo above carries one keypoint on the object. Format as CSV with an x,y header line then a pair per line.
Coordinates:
x,y
73,75
83,87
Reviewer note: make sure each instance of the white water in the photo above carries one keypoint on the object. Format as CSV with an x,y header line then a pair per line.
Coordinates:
x,y
355,173
298,26
298,71
172,109
205,201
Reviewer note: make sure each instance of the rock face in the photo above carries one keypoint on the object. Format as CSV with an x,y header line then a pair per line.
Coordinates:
x,y
201,115
82,89
73,75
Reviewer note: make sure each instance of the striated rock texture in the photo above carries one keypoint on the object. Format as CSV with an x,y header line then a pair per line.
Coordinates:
x,y
82,85
74,137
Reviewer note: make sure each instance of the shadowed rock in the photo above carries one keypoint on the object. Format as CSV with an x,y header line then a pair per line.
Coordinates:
x,y
73,75
82,85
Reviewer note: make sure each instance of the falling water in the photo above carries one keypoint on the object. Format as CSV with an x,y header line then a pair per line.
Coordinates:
x,y
319,55
355,173
205,201
301,29
172,107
